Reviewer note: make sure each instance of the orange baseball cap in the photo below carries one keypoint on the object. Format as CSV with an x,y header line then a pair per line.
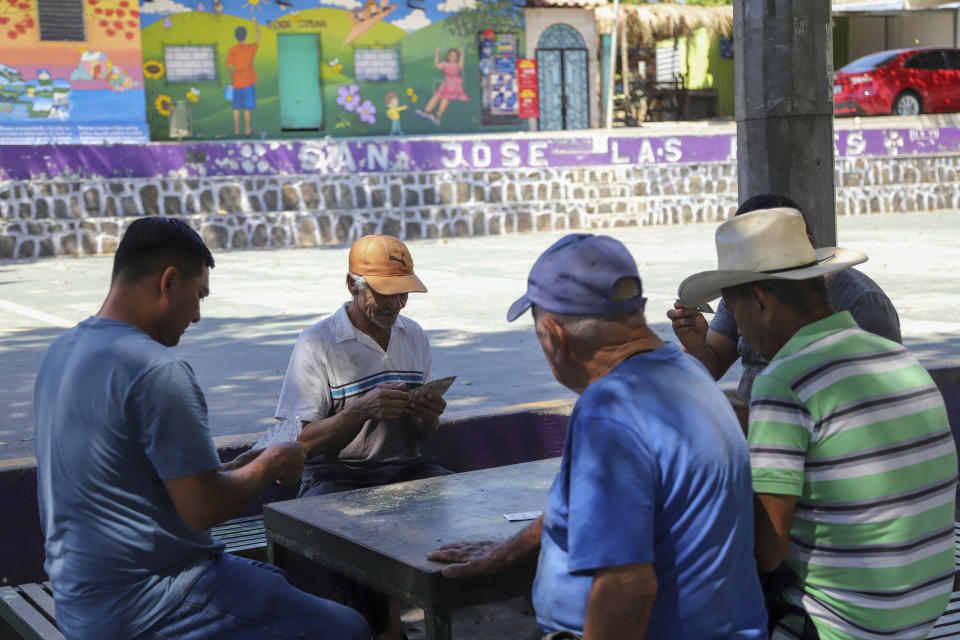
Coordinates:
x,y
386,265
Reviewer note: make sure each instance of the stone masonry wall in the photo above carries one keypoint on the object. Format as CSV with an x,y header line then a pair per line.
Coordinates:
x,y
72,217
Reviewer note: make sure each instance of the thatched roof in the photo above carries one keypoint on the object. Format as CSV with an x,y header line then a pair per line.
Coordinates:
x,y
647,24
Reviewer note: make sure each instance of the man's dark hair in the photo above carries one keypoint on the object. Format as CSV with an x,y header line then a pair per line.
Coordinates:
x,y
799,295
240,33
767,201
154,243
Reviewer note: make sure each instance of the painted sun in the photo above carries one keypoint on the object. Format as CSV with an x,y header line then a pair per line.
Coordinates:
x,y
254,5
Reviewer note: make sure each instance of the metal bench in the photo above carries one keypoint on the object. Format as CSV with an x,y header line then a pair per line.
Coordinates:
x,y
28,608
244,537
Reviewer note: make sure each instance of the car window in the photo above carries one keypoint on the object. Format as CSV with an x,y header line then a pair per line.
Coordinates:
x,y
953,59
926,60
872,61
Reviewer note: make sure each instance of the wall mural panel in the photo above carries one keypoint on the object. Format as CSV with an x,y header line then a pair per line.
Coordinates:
x,y
84,87
381,67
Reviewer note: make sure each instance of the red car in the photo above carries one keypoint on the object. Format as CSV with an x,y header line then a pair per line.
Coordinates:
x,y
904,82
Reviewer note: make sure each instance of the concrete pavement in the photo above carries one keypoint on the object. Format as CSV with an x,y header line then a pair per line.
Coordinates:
x,y
261,300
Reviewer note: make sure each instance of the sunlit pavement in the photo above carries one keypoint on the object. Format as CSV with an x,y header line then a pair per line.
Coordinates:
x,y
261,300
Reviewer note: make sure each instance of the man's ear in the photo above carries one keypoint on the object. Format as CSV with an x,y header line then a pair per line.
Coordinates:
x,y
167,279
556,337
765,304
352,288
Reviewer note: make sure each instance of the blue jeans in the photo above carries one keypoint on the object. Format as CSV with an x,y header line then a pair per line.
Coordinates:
x,y
243,599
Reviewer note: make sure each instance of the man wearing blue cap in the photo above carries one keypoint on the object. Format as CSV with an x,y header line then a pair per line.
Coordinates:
x,y
648,528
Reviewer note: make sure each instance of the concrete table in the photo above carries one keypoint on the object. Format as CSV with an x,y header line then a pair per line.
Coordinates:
x,y
381,536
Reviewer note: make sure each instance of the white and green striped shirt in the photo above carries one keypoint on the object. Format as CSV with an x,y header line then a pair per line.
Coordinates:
x,y
853,425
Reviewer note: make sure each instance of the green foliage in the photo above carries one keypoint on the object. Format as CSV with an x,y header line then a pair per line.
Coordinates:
x,y
499,15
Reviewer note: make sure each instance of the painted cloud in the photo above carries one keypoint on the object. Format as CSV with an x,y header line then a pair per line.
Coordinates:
x,y
416,19
344,4
452,6
163,6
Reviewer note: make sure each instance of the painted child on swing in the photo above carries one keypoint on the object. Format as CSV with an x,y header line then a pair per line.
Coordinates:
x,y
450,89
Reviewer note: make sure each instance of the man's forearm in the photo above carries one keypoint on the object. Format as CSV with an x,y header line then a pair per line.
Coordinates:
x,y
209,498
332,434
620,602
524,544
706,355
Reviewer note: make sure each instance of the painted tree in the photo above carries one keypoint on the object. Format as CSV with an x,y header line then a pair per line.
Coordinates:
x,y
17,17
116,19
498,15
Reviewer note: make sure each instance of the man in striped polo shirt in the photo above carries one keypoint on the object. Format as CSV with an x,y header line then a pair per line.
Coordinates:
x,y
853,462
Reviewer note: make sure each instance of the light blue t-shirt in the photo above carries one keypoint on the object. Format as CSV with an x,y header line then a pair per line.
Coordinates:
x,y
116,414
655,469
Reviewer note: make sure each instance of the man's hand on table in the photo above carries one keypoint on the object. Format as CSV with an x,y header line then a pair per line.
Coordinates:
x,y
470,558
485,557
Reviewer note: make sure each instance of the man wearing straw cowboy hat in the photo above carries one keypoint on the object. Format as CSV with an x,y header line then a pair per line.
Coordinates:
x,y
718,345
853,463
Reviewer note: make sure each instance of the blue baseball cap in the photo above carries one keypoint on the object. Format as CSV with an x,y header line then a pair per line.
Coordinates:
x,y
576,275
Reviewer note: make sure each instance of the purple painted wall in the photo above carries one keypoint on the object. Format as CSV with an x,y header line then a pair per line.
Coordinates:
x,y
589,149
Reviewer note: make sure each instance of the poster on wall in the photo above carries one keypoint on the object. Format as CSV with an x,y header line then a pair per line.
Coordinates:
x,y
529,103
80,82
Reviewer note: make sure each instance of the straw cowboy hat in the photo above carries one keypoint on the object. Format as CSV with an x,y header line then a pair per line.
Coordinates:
x,y
767,244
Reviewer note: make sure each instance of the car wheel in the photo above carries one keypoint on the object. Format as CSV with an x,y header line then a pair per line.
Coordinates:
x,y
908,103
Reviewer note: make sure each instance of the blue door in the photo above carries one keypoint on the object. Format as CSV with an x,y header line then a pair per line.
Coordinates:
x,y
562,79
298,76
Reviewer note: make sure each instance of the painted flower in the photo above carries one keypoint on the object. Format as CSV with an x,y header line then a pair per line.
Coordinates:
x,y
163,104
348,97
153,69
367,112
193,95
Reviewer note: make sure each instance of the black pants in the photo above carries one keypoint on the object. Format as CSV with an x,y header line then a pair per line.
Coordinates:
x,y
774,584
333,477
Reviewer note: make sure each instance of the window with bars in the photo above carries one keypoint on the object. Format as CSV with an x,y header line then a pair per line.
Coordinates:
x,y
61,20
376,65
191,63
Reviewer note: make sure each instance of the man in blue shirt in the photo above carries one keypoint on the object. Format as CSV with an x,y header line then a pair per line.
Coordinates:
x,y
129,481
648,528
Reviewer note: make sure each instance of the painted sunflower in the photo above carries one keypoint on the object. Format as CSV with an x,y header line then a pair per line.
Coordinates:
x,y
153,69
163,104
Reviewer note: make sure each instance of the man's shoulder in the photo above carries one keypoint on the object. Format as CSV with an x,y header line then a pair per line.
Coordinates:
x,y
848,285
411,326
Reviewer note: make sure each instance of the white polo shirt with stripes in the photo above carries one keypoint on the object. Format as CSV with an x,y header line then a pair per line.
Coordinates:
x,y
333,362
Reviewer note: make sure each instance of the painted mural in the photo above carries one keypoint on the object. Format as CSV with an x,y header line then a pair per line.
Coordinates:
x,y
71,77
302,68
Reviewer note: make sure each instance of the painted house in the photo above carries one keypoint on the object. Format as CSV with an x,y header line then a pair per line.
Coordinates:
x,y
297,69
70,72
103,71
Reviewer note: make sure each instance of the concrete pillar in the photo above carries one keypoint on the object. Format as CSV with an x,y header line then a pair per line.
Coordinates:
x,y
606,43
783,64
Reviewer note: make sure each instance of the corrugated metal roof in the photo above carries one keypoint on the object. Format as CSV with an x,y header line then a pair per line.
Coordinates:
x,y
581,4
868,5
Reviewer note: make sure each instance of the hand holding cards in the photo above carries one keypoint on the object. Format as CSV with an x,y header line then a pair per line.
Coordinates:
x,y
438,387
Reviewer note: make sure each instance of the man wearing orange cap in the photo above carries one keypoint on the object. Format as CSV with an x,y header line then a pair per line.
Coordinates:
x,y
349,379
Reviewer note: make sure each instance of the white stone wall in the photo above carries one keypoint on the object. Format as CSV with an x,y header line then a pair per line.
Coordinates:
x,y
58,217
